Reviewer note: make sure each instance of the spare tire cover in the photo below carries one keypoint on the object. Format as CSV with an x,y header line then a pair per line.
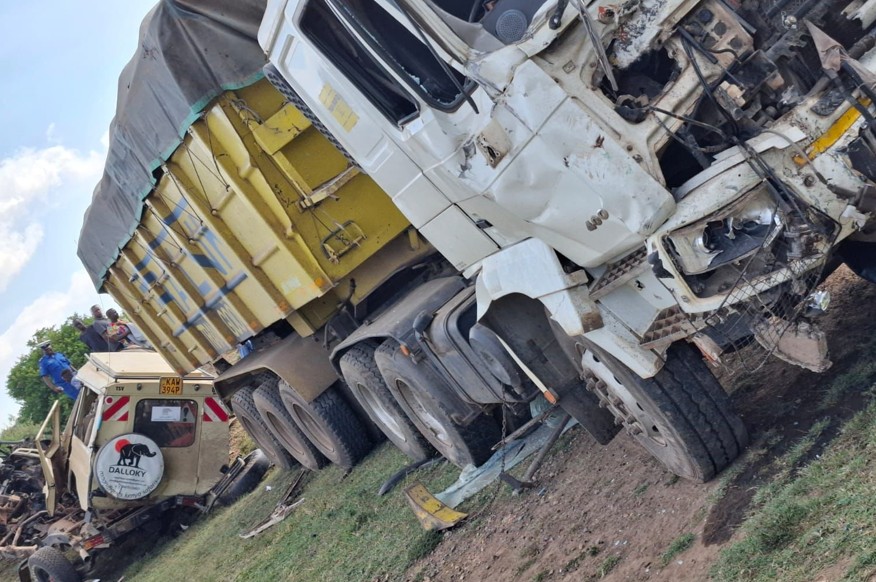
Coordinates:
x,y
129,466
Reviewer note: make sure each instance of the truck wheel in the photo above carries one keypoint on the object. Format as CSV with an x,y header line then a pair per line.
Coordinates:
x,y
270,406
330,425
49,564
682,416
414,386
363,377
255,466
244,407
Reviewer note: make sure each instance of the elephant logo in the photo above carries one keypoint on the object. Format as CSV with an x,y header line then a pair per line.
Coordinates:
x,y
129,466
130,453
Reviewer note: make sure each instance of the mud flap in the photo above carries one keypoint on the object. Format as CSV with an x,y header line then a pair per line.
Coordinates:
x,y
432,514
583,406
24,572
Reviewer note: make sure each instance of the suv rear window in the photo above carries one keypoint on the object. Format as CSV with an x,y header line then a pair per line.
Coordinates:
x,y
168,422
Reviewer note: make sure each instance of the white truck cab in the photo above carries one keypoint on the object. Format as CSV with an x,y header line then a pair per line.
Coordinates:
x,y
652,175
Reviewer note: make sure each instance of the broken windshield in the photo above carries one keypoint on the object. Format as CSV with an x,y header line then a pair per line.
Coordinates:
x,y
330,36
405,53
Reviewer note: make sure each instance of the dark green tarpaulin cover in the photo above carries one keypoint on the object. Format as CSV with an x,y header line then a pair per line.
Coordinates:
x,y
190,51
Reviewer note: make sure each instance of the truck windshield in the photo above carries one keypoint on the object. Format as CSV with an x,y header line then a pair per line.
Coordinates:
x,y
400,49
328,34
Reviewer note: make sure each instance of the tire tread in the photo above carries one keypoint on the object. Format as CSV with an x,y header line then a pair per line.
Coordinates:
x,y
267,397
338,421
244,407
700,410
474,441
361,358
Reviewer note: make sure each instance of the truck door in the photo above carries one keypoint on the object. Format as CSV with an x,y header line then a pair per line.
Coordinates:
x,y
397,120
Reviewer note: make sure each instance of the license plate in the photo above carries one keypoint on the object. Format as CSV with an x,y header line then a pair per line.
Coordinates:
x,y
171,386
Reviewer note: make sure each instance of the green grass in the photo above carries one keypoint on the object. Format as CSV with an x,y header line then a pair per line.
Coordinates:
x,y
8,569
608,564
678,545
861,376
342,531
18,432
819,516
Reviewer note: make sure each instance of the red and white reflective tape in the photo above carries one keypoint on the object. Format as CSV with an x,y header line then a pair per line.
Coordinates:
x,y
214,410
116,408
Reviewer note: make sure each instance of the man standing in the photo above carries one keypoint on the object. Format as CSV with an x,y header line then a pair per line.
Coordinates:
x,y
52,368
101,326
89,337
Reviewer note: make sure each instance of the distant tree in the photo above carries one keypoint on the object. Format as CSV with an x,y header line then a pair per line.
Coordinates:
x,y
24,383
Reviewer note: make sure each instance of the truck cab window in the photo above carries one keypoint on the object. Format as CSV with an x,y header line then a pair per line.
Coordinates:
x,y
328,34
405,52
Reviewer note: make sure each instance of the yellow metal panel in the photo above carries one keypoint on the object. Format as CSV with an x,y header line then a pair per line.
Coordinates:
x,y
256,219
280,129
834,133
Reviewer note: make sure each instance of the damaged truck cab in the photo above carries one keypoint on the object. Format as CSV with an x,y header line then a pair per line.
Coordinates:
x,y
634,187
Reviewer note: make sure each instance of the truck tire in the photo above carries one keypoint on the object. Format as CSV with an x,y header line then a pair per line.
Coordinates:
x,y
330,425
682,416
413,387
49,564
366,383
255,466
244,408
270,406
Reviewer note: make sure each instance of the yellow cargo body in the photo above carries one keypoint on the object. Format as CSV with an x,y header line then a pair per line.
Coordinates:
x,y
255,218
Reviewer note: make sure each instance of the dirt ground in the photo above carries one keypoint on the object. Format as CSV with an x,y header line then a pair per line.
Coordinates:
x,y
612,512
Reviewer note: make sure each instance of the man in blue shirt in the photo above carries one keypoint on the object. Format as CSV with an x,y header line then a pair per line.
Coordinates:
x,y
52,365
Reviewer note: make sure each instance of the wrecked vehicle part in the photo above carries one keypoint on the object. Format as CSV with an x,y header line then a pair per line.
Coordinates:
x,y
686,198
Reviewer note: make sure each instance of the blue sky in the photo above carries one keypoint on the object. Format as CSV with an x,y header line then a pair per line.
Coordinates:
x,y
60,62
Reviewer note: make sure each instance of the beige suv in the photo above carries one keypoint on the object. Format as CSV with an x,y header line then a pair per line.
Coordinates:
x,y
141,441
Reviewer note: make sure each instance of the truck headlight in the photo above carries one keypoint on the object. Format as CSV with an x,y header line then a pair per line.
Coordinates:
x,y
728,236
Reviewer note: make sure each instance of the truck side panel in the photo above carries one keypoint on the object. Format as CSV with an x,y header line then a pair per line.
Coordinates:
x,y
256,218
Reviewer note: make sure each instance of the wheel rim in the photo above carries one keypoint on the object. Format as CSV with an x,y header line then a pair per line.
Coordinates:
x,y
623,404
432,424
280,432
313,430
380,413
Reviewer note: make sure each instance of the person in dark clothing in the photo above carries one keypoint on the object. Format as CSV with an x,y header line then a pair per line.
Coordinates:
x,y
89,336
101,326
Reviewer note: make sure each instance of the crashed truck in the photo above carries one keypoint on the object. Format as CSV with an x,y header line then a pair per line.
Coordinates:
x,y
616,194
632,189
229,219
142,448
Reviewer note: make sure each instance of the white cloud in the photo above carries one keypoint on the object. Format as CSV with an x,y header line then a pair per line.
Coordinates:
x,y
51,136
27,180
49,309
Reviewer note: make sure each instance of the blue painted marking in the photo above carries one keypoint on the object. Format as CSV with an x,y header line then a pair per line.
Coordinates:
x,y
213,303
156,242
204,261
